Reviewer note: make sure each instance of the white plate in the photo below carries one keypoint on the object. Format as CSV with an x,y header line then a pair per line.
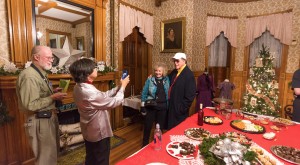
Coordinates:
x,y
175,152
210,107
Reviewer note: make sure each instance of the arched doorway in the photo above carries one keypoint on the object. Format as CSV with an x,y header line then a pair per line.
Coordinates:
x,y
219,60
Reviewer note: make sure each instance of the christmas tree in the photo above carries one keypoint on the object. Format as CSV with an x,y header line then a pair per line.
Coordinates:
x,y
262,89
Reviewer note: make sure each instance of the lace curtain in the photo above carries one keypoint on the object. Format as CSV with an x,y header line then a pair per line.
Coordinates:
x,y
218,52
270,42
130,18
216,25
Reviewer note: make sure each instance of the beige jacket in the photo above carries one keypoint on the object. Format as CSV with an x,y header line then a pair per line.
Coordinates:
x,y
33,92
93,106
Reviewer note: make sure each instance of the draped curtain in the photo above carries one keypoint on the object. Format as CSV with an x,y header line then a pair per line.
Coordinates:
x,y
215,25
130,18
218,52
270,42
279,25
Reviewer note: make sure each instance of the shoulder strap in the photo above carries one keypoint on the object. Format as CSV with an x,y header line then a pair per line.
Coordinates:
x,y
43,77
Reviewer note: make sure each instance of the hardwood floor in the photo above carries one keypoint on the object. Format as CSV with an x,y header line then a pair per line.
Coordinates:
x,y
133,134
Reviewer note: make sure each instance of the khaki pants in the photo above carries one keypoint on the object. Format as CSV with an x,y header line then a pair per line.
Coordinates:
x,y
43,136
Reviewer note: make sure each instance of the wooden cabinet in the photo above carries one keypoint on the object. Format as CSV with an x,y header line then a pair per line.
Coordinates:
x,y
137,60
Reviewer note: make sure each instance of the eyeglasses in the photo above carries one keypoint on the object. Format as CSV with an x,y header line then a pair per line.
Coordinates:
x,y
177,61
49,58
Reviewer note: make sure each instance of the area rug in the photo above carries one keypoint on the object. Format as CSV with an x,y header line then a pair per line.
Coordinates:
x,y
77,156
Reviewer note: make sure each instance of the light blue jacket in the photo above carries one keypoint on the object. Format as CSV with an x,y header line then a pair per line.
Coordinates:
x,y
150,87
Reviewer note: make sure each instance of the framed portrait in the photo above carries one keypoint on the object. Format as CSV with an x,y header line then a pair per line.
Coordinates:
x,y
172,35
80,43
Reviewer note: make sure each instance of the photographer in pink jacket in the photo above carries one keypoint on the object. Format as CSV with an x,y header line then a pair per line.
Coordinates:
x,y
93,106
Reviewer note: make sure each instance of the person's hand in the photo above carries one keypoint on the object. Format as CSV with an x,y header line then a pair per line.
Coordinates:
x,y
143,111
124,82
58,96
58,89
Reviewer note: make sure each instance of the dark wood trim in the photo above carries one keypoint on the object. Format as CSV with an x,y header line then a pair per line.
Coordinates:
x,y
56,19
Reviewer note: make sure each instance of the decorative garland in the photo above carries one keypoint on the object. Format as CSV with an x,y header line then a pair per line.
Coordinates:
x,y
264,97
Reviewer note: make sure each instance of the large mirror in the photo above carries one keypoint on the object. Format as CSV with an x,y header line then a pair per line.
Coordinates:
x,y
54,20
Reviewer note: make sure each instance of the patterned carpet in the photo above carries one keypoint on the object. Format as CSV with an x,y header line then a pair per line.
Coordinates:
x,y
77,156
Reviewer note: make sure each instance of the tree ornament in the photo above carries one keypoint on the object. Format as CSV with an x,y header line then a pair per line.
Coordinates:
x,y
253,101
259,62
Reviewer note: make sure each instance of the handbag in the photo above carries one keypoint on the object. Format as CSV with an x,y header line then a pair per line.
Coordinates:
x,y
150,103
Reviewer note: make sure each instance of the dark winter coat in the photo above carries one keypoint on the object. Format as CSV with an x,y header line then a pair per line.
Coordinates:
x,y
182,94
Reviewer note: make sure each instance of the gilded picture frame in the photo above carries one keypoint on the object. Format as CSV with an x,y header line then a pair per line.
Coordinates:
x,y
172,35
80,43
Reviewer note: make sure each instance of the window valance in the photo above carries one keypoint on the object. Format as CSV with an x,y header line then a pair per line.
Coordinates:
x,y
279,25
215,25
130,18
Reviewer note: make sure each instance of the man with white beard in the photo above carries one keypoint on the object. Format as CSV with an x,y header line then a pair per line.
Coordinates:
x,y
36,98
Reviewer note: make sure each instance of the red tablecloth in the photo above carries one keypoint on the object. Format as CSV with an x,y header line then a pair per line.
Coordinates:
x,y
287,136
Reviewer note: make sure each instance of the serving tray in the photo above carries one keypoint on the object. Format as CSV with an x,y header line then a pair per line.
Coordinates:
x,y
248,131
274,150
196,133
212,123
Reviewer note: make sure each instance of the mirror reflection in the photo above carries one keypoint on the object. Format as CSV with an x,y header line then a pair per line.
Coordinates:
x,y
55,20
56,39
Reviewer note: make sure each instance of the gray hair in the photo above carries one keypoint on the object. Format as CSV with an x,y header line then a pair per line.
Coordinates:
x,y
163,66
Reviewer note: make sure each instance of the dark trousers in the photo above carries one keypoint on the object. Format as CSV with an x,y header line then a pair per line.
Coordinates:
x,y
97,153
157,115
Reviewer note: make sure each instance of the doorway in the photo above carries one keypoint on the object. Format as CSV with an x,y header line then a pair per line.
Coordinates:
x,y
136,60
219,60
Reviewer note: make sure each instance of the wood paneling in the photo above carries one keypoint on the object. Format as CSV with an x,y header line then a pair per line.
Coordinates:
x,y
89,3
136,58
237,94
15,148
22,30
14,145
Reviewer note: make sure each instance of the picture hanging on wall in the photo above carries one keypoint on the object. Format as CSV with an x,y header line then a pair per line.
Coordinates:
x,y
172,35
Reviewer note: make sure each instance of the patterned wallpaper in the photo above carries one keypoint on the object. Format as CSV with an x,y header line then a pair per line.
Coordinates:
x,y
84,30
4,39
80,30
195,12
242,10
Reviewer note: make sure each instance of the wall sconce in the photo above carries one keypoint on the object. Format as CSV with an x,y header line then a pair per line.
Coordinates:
x,y
39,35
294,42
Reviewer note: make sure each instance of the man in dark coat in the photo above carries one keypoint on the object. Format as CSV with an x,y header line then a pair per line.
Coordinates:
x,y
182,91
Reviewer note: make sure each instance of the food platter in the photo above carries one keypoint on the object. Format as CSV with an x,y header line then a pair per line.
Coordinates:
x,y
175,149
288,154
213,120
237,137
196,133
282,122
247,126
